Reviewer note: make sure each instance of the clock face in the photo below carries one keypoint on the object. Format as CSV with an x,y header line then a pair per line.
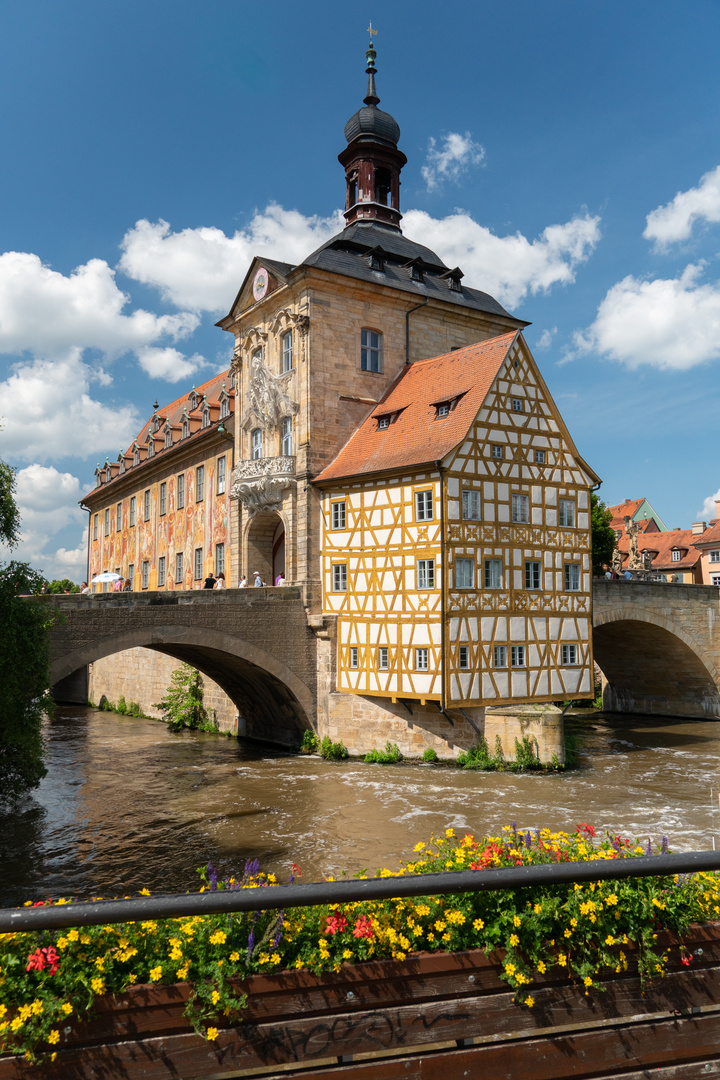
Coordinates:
x,y
260,283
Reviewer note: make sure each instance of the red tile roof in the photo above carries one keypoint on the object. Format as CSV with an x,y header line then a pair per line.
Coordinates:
x,y
662,544
711,535
623,510
208,393
415,436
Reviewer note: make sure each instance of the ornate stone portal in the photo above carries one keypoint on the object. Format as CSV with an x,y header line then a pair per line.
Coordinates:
x,y
260,484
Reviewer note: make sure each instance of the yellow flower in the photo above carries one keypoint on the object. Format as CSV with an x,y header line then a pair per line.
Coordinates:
x,y
478,924
516,920
156,973
3,1010
182,973
132,978
16,1024
449,833
98,985
514,940
419,846
218,937
263,958
215,997
62,943
73,935
542,967
100,963
609,940
510,969
587,980
234,956
347,954
54,1036
211,1034
440,926
144,892
37,1007
529,1001
537,909
562,959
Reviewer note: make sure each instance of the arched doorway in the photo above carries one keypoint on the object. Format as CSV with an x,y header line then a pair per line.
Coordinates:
x,y
266,547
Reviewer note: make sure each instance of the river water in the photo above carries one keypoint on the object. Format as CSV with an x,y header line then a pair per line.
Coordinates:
x,y
127,804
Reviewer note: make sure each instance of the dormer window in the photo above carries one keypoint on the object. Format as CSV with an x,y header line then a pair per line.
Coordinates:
x,y
136,455
122,465
442,410
168,437
453,278
150,446
193,398
232,380
185,427
383,422
416,269
156,424
108,475
224,407
676,555
206,418
377,259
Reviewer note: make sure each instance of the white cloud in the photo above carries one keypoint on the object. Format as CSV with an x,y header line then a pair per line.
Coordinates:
x,y
451,163
671,324
48,503
546,338
48,414
48,314
674,221
169,364
709,511
507,267
202,268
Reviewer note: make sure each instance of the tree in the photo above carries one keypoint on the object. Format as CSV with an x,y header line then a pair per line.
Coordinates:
x,y
603,538
24,660
182,706
63,586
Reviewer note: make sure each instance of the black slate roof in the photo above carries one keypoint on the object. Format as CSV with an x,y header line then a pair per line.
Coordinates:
x,y
348,254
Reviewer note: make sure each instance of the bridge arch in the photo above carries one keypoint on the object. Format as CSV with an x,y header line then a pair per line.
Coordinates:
x,y
275,703
653,665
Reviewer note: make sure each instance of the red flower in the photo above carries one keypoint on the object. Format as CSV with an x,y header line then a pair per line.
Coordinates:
x,y
43,958
336,924
363,927
296,870
586,828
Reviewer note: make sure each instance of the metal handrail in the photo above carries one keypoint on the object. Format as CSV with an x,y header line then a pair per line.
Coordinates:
x,y
284,897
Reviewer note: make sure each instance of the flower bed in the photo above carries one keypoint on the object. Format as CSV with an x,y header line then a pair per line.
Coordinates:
x,y
539,953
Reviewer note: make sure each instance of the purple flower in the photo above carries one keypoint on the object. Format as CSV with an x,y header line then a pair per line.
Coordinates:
x,y
664,847
648,847
528,838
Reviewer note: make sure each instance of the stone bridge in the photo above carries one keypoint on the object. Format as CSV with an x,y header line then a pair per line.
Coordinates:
x,y
255,644
657,645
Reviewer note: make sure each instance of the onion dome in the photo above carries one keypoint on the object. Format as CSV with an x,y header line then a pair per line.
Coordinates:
x,y
371,122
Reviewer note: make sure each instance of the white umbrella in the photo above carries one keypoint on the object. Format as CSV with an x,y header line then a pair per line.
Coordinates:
x,y
106,576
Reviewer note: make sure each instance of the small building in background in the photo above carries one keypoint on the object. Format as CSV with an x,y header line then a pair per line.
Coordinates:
x,y
640,513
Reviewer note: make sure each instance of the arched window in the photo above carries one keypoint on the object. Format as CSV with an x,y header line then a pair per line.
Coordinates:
x,y
287,351
108,475
136,456
185,427
151,447
370,350
168,437
256,438
224,408
206,418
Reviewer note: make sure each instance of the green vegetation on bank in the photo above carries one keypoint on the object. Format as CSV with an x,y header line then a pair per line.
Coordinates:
x,y
24,660
183,705
389,756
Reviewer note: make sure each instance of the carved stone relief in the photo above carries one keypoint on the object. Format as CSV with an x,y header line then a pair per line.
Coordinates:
x,y
260,484
267,401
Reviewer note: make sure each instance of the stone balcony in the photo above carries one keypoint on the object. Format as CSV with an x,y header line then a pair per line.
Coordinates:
x,y
260,483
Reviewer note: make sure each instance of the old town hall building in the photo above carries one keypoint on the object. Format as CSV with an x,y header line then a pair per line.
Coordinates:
x,y
397,455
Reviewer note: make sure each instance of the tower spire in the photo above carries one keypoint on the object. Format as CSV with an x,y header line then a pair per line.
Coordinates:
x,y
371,97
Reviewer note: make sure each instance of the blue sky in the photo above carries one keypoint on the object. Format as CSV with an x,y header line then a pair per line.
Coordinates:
x,y
565,155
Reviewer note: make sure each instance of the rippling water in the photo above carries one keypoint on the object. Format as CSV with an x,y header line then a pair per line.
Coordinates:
x,y
127,804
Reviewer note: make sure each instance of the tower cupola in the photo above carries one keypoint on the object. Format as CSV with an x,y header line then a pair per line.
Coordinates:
x,y
371,159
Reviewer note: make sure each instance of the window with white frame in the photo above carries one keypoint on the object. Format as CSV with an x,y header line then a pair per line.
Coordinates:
x,y
146,505
145,574
676,555
161,571
224,407
572,577
353,656
500,656
339,577
256,443
287,436
337,515
464,658
287,351
185,427
136,456
715,579
443,410
107,521
219,559
163,498
198,563
150,447
96,526
383,423
521,509
200,483
493,574
539,457
566,513
118,517
517,656
179,567
370,350
532,575
518,405
714,556
181,491
498,451
569,655
425,574
221,470
470,505
206,418
423,506
108,475
422,659
132,510
464,573
382,659
168,437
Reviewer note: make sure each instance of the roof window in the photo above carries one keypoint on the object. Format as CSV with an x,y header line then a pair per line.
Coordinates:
x,y
453,278
377,259
442,410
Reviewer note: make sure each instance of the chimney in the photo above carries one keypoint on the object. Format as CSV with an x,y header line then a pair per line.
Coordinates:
x,y
698,527
717,508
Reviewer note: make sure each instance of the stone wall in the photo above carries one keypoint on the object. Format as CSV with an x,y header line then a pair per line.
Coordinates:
x,y
143,675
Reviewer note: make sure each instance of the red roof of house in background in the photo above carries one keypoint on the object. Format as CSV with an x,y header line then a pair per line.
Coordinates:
x,y
623,510
415,436
711,535
663,543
